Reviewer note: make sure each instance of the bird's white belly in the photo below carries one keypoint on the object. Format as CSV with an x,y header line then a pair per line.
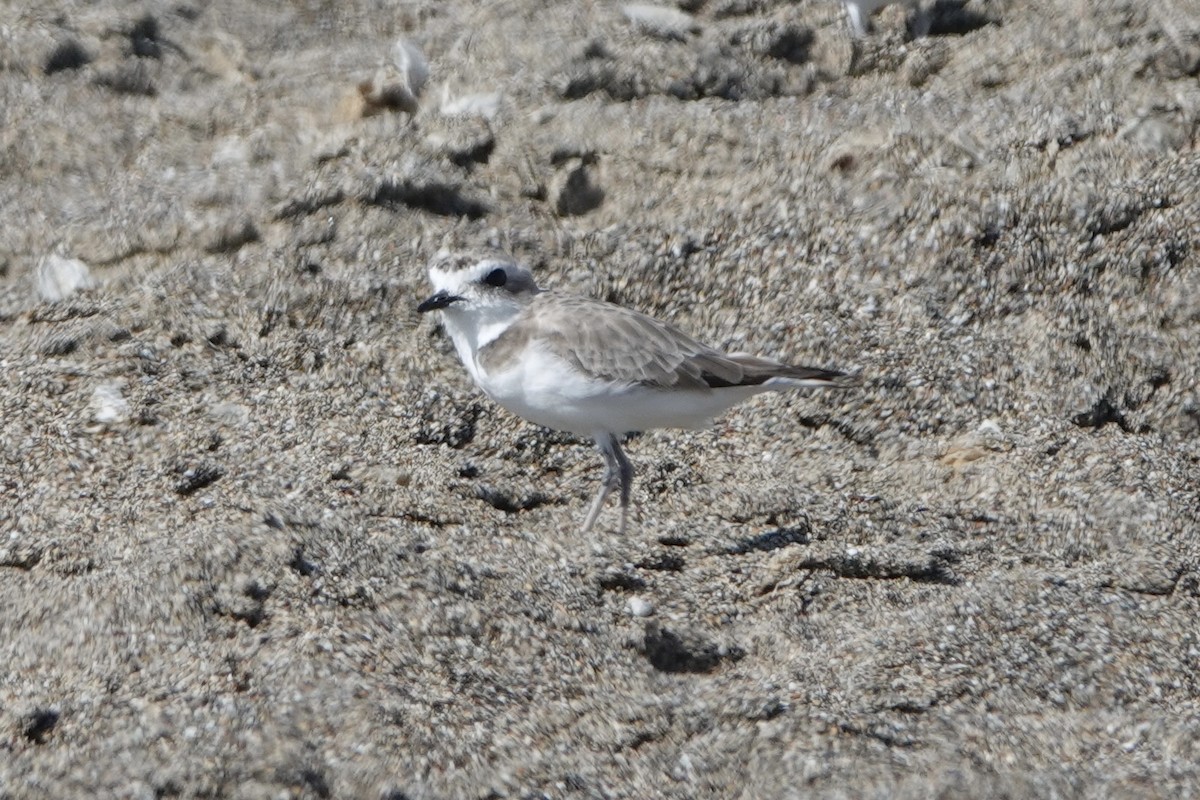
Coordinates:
x,y
546,390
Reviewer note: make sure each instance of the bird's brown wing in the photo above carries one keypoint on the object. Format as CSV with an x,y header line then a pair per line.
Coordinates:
x,y
624,346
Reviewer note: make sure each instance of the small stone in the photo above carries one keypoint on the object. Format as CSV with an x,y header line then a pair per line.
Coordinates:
x,y
640,607
397,87
379,95
860,12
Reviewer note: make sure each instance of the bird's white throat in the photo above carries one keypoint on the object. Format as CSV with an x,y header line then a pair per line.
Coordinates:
x,y
472,329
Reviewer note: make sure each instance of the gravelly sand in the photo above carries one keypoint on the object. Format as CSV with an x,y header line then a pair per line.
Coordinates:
x,y
260,537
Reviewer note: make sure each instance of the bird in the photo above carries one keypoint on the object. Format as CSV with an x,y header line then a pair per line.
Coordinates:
x,y
591,367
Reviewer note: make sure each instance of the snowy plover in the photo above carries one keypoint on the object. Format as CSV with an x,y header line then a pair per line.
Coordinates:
x,y
590,367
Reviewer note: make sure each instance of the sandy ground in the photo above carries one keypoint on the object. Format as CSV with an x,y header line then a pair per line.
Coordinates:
x,y
260,537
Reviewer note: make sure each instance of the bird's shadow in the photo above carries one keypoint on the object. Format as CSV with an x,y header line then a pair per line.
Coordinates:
x,y
769,540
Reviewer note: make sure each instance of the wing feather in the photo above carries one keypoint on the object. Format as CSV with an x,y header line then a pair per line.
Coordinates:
x,y
625,346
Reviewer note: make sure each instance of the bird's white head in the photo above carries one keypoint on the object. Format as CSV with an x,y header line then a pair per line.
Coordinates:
x,y
470,284
478,296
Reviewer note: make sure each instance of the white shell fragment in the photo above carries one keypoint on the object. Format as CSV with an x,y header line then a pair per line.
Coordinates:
x,y
413,67
485,105
58,278
108,404
661,21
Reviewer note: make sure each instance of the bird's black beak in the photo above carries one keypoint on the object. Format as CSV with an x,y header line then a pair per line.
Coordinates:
x,y
438,301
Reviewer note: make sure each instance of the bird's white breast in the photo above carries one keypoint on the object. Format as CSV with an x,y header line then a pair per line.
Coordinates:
x,y
541,386
544,388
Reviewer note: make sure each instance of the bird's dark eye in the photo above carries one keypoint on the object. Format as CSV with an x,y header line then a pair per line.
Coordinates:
x,y
497,277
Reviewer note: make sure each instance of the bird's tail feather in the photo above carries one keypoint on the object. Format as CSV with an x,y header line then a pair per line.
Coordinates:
x,y
758,371
828,379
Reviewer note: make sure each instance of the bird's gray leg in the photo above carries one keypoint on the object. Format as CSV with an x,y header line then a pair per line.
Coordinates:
x,y
859,26
612,475
625,474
